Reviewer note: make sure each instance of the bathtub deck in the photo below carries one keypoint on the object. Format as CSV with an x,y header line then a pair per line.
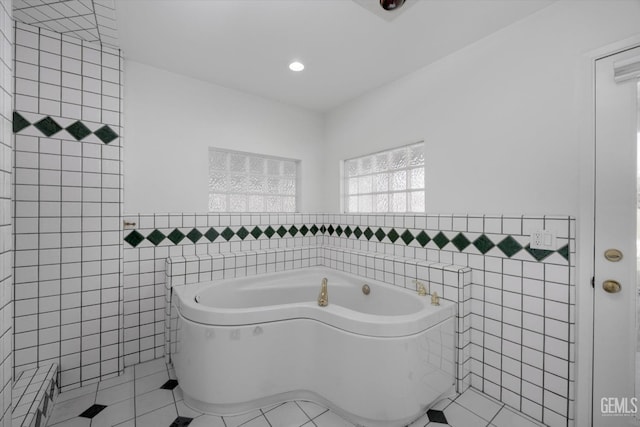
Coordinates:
x,y
145,396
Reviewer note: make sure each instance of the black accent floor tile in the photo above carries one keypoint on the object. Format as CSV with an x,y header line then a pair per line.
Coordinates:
x,y
170,385
92,411
436,416
181,422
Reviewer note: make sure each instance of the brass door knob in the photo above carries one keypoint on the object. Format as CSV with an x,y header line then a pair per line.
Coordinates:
x,y
611,286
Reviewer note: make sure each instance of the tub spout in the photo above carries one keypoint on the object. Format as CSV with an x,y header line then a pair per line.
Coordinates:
x,y
323,298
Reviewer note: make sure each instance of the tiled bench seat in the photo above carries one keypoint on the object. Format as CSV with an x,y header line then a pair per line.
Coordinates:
x,y
33,393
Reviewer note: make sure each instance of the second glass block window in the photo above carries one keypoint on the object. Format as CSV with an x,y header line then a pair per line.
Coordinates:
x,y
247,182
389,181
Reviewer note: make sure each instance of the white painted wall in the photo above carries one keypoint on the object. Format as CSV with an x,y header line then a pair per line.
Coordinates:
x,y
170,122
500,118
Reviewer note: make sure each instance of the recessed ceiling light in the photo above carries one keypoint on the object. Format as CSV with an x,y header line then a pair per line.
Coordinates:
x,y
296,66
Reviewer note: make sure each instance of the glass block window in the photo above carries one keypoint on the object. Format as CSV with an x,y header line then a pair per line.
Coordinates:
x,y
247,182
389,181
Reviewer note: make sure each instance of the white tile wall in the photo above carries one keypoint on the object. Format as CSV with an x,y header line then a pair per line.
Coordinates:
x,y
6,240
521,316
68,198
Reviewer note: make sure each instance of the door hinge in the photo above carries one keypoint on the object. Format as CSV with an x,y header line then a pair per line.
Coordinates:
x,y
593,282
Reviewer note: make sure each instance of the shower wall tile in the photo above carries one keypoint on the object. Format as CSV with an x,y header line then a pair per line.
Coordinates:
x,y
67,206
6,224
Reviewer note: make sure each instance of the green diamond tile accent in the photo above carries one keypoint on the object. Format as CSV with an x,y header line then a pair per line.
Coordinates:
x,y
156,237
441,240
313,229
564,251
538,254
269,232
134,238
19,122
48,126
194,235
357,232
423,238
460,242
211,234
78,130
380,234
176,236
281,231
368,233
483,244
347,231
227,234
106,134
242,233
509,246
293,230
330,230
393,235
323,229
304,230
256,232
339,231
407,237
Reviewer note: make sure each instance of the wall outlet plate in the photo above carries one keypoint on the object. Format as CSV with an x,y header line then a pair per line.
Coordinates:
x,y
543,239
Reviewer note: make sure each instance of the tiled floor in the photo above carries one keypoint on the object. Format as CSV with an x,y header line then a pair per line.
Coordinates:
x,y
147,395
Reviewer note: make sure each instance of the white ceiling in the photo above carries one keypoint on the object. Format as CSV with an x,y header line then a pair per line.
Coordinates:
x,y
347,49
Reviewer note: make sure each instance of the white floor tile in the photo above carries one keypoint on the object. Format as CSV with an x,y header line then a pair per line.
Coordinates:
x,y
287,415
153,400
158,418
330,419
151,382
126,376
177,394
508,418
237,420
457,416
115,394
73,422
260,422
150,367
441,404
478,404
207,421
311,409
71,408
115,414
422,421
185,411
130,423
77,392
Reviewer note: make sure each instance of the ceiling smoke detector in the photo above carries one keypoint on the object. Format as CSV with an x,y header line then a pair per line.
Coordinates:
x,y
386,9
391,5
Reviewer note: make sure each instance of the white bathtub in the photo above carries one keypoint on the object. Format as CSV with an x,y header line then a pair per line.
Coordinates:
x,y
378,360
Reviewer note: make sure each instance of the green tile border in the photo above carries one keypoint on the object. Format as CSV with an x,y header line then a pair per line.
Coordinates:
x,y
461,242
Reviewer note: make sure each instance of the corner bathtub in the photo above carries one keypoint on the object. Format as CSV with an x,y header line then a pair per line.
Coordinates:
x,y
377,360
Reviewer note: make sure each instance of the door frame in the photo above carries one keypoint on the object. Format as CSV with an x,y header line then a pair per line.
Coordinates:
x,y
585,226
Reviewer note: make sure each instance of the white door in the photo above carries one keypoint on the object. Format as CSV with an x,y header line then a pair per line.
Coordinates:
x,y
615,288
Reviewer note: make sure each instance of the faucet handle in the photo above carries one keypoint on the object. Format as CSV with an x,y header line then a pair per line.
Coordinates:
x,y
422,290
435,299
